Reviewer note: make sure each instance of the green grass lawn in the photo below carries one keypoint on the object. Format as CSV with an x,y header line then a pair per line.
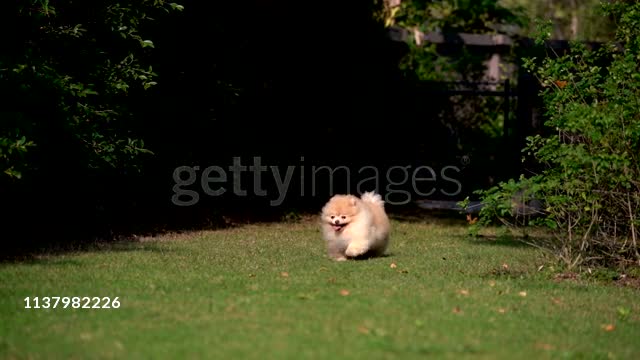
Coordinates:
x,y
268,291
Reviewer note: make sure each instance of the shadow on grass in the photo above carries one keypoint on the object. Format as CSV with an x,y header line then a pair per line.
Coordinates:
x,y
491,240
371,257
47,255
44,243
49,261
504,236
418,215
505,273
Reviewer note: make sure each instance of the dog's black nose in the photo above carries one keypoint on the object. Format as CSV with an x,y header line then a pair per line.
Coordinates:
x,y
337,222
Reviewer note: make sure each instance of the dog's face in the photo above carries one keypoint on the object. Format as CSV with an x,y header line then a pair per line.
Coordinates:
x,y
340,211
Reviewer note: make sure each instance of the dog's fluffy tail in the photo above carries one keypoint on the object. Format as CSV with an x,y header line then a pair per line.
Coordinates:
x,y
372,198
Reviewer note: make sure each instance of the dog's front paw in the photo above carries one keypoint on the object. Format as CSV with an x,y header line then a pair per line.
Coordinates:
x,y
355,250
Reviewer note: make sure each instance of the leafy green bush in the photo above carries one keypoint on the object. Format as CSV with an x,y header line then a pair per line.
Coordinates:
x,y
589,185
68,74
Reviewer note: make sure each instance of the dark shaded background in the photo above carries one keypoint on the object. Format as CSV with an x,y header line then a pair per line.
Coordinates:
x,y
278,80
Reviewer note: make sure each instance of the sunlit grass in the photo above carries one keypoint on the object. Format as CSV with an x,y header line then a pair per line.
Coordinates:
x,y
268,291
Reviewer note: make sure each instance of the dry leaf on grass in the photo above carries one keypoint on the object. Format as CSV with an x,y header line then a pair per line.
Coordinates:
x,y
544,346
393,265
502,310
522,293
457,310
284,274
608,327
463,292
344,292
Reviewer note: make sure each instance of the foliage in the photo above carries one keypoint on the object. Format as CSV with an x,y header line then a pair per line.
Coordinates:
x,y
449,17
588,185
570,19
68,74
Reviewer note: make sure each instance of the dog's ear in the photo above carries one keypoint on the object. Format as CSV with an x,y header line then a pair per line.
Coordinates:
x,y
352,201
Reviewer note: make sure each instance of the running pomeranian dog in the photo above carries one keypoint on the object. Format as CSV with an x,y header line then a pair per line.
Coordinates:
x,y
354,227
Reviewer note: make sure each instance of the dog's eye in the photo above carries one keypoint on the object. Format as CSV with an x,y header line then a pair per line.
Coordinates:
x,y
332,216
343,217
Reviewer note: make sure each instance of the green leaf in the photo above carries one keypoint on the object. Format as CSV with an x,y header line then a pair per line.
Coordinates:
x,y
175,6
149,84
13,173
147,43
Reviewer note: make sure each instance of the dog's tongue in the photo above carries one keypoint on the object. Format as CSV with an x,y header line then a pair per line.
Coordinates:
x,y
337,227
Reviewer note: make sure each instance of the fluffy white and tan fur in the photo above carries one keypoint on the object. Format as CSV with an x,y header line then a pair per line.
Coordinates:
x,y
354,227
